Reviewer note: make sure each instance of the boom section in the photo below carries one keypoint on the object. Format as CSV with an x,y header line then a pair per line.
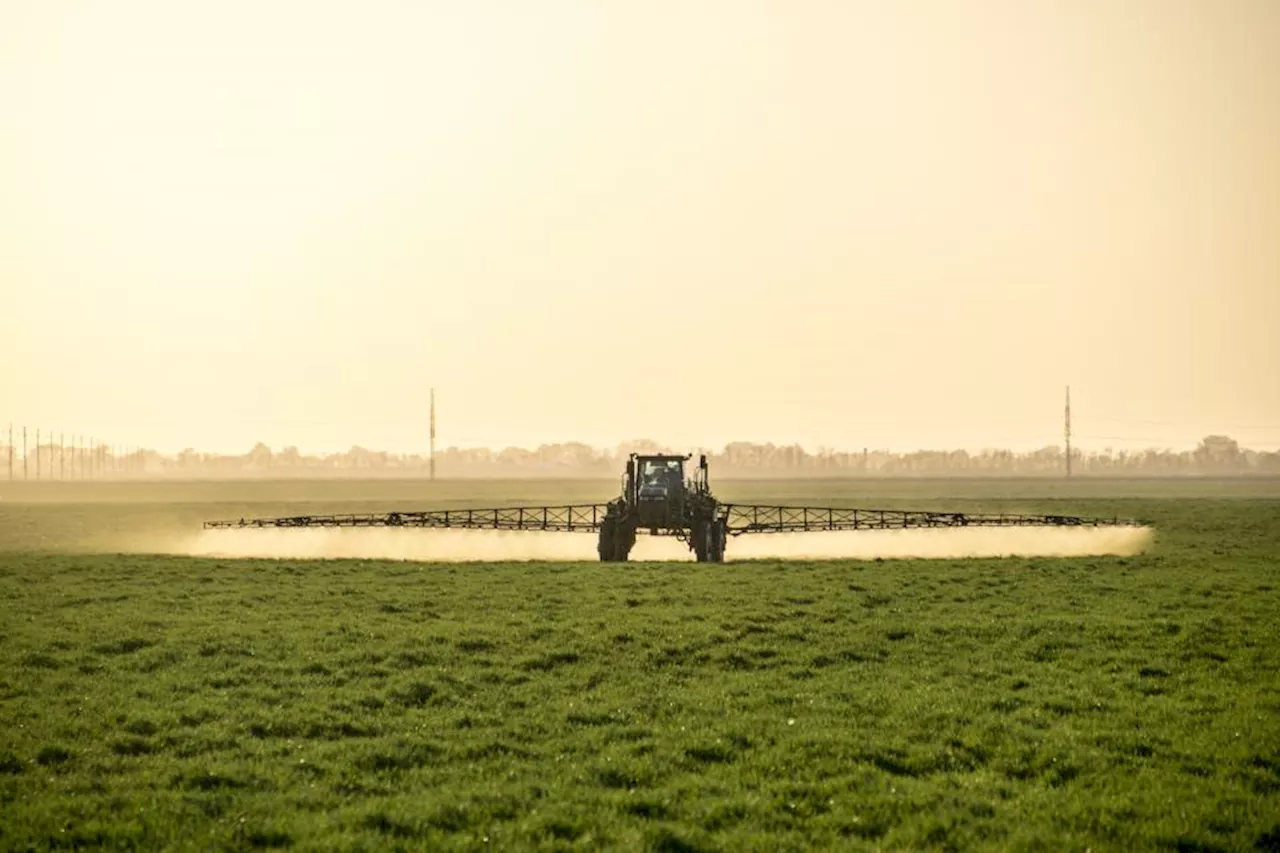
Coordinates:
x,y
571,518
748,518
738,518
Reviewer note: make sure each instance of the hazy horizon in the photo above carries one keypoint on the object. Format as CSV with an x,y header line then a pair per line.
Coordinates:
x,y
71,441
832,224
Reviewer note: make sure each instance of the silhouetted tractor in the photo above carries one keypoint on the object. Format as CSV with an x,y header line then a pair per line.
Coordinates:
x,y
658,499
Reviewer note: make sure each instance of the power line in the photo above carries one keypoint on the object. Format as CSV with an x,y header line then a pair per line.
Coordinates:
x,y
1273,428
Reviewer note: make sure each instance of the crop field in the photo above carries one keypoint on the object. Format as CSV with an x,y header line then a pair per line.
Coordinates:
x,y
153,700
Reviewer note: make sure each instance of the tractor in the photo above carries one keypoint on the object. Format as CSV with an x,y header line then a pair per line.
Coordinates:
x,y
659,498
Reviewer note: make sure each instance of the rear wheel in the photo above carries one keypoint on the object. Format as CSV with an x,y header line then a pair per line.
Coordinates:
x,y
719,535
700,539
616,540
607,546
626,541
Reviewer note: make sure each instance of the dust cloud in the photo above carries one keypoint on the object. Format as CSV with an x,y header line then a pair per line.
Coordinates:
x,y
480,545
967,542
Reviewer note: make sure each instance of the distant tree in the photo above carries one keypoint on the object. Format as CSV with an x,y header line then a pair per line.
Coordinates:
x,y
259,457
1218,452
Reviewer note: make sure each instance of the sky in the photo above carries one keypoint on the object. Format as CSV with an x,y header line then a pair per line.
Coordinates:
x,y
839,224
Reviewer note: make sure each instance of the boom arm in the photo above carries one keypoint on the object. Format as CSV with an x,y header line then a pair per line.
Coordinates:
x,y
570,518
748,518
739,519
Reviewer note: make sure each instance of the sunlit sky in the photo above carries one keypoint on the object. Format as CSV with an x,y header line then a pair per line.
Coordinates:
x,y
841,224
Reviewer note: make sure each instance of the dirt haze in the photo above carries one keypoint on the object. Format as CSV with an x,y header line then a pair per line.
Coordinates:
x,y
479,545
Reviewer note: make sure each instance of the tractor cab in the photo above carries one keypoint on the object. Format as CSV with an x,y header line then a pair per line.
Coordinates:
x,y
655,489
658,492
659,477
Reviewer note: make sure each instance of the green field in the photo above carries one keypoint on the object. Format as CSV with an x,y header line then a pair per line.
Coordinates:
x,y
151,701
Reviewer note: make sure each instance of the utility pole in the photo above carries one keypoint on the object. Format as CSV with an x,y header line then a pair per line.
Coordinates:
x,y
62,457
433,434
37,453
1067,429
11,451
24,453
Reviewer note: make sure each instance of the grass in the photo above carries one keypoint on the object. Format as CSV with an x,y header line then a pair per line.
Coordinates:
x,y
151,701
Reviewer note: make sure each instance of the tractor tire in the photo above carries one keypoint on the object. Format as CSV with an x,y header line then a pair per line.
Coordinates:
x,y
624,541
616,540
700,538
608,544
719,535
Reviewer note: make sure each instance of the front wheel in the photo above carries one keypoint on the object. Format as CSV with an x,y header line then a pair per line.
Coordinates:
x,y
719,536
608,544
616,540
700,539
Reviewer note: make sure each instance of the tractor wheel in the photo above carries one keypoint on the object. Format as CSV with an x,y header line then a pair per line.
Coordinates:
x,y
719,535
608,544
616,540
624,541
700,537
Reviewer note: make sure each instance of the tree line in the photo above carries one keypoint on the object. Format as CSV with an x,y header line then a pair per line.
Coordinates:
x,y
1214,455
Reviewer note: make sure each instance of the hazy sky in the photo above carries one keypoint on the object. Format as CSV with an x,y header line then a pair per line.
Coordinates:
x,y
839,223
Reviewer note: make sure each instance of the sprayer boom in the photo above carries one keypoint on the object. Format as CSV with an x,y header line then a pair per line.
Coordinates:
x,y
571,518
738,519
660,498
